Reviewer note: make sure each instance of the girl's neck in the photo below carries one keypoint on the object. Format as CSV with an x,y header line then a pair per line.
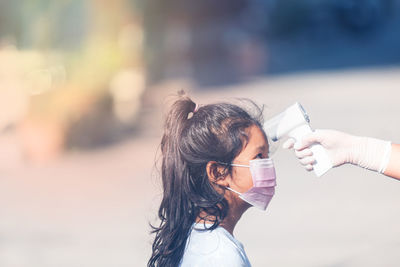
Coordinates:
x,y
229,221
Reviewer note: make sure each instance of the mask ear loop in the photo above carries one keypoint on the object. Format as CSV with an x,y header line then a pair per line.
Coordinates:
x,y
234,191
235,165
240,165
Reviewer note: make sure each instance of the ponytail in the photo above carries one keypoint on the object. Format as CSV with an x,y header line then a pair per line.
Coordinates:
x,y
176,212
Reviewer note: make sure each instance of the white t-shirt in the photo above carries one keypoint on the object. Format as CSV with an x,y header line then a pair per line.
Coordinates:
x,y
216,248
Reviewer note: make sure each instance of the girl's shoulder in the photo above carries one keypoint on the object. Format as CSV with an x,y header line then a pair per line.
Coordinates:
x,y
213,248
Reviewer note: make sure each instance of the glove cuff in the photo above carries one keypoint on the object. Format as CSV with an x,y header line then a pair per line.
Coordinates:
x,y
386,157
372,154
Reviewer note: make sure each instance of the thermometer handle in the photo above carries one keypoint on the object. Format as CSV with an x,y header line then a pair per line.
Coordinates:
x,y
323,161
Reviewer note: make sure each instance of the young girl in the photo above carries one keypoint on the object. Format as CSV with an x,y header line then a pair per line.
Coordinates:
x,y
215,166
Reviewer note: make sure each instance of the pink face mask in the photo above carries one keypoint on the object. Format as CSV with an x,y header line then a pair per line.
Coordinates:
x,y
264,182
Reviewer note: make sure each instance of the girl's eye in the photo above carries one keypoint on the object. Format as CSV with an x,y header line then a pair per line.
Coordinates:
x,y
259,156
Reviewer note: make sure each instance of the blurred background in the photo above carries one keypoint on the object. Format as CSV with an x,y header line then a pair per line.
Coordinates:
x,y
84,86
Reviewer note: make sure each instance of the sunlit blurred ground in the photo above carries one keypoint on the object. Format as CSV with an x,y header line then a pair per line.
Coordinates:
x,y
93,208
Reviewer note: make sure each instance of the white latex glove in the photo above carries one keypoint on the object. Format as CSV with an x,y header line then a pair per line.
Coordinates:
x,y
366,152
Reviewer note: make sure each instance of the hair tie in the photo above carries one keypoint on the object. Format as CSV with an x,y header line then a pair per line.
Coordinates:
x,y
190,114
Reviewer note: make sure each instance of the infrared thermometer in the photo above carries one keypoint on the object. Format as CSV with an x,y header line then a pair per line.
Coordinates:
x,y
294,123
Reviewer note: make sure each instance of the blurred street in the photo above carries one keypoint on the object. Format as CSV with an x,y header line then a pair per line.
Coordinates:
x,y
93,208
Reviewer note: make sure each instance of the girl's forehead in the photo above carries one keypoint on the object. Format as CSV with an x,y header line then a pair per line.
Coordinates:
x,y
256,142
257,137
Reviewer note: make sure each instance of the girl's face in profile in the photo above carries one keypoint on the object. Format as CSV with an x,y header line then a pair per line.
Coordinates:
x,y
256,148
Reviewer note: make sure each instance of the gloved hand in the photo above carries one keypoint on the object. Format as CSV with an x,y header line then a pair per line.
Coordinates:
x,y
366,152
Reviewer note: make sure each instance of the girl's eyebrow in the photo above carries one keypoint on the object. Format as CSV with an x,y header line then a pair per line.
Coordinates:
x,y
261,148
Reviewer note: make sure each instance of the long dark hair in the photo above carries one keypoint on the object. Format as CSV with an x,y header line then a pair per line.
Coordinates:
x,y
193,137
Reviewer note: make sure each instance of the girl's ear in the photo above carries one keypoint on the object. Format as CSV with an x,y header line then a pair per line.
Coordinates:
x,y
217,174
